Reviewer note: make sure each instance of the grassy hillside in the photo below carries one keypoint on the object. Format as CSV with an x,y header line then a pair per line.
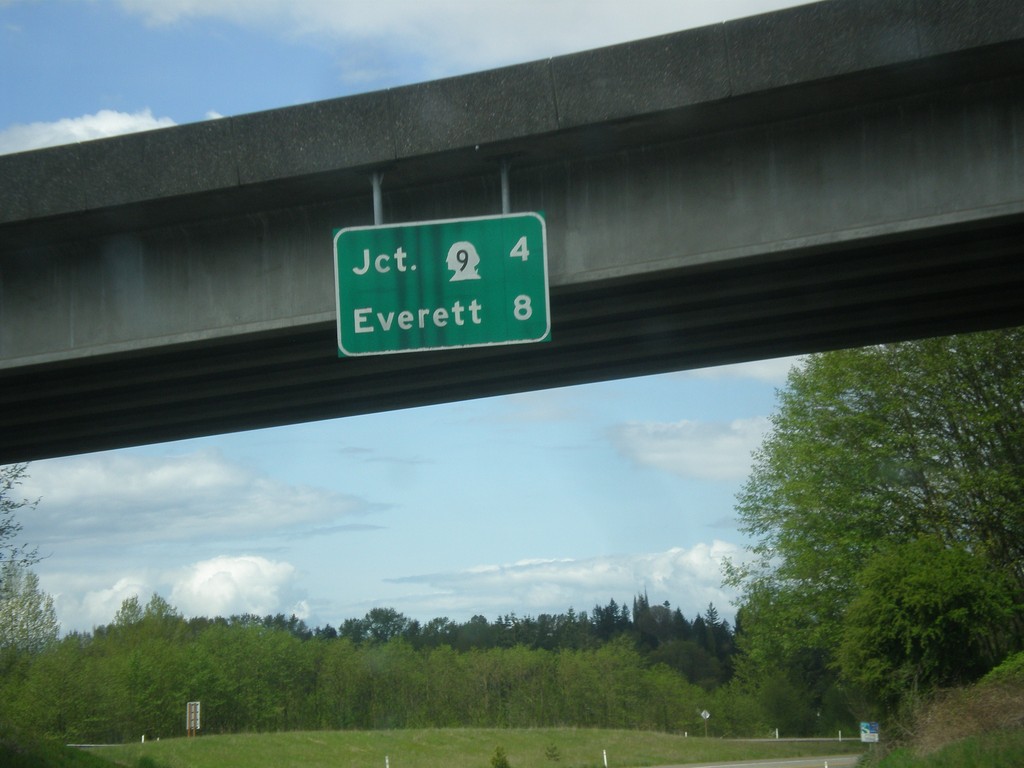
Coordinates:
x,y
991,750
454,748
31,753
980,726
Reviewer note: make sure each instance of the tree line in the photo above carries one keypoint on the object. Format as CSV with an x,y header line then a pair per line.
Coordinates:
x,y
617,668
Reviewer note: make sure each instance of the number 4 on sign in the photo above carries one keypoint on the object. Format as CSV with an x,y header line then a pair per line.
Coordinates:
x,y
519,250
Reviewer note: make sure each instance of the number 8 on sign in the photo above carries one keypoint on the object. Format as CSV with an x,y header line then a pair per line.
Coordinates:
x,y
522,309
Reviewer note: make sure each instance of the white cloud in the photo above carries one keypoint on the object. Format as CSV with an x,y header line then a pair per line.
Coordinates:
x,y
543,406
224,586
102,604
688,578
384,42
705,451
220,586
458,35
21,138
84,600
113,500
115,524
768,371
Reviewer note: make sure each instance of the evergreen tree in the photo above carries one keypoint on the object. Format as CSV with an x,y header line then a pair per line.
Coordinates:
x,y
610,620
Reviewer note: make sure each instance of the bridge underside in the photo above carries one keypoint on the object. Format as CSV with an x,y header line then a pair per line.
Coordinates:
x,y
953,280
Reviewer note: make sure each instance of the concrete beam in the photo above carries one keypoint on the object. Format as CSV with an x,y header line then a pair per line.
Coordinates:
x,y
835,174
801,60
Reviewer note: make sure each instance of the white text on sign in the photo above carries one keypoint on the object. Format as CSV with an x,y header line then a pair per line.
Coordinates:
x,y
406,320
383,262
442,284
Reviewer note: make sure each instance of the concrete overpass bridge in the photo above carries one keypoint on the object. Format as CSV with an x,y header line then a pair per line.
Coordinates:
x,y
837,174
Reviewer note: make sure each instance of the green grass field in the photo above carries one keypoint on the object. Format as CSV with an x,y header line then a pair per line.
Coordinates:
x,y
1003,749
454,748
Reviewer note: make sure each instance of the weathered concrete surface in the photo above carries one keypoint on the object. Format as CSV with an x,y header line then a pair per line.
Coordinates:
x,y
834,174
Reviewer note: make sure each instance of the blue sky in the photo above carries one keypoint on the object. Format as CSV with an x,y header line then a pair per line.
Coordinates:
x,y
529,504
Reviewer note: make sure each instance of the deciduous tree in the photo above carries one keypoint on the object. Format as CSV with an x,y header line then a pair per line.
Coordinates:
x,y
28,621
872,448
926,614
11,476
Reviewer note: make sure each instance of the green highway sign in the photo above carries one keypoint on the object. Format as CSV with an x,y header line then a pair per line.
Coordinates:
x,y
442,284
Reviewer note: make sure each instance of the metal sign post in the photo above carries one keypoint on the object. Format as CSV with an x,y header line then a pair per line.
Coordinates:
x,y
192,718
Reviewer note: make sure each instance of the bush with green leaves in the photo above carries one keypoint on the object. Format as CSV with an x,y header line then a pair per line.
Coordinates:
x,y
499,759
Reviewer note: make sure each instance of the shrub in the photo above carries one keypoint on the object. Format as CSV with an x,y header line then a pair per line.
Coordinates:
x,y
499,759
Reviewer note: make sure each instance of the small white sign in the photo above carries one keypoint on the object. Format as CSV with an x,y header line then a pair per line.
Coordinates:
x,y
705,714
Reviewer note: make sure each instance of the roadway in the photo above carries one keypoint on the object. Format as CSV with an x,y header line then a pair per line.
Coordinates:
x,y
834,761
